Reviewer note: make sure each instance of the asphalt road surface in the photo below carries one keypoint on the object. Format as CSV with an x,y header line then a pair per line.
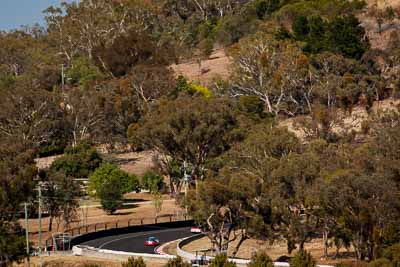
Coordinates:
x,y
134,242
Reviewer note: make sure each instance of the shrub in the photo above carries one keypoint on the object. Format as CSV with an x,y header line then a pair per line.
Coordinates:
x,y
177,262
152,181
199,89
265,7
110,194
261,259
221,260
393,253
380,263
302,259
110,183
251,104
132,262
83,72
79,161
127,182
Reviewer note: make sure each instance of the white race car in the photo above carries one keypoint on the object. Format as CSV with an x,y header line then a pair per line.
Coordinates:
x,y
195,229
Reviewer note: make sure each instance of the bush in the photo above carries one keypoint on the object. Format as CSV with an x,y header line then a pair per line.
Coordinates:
x,y
302,259
110,183
380,263
127,182
221,260
83,72
393,254
110,194
152,181
132,262
265,7
261,259
79,161
251,105
177,262
199,89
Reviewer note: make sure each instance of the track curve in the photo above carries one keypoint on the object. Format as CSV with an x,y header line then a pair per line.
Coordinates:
x,y
134,242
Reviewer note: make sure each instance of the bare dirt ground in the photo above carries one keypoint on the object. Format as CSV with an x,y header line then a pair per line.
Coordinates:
x,y
275,250
75,261
381,4
349,122
135,162
216,65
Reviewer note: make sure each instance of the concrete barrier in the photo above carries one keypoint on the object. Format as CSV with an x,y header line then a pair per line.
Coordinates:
x,y
87,251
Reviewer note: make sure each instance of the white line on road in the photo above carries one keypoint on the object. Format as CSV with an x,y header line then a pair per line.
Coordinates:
x,y
137,235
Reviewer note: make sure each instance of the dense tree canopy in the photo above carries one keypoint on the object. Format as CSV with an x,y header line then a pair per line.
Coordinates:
x,y
101,74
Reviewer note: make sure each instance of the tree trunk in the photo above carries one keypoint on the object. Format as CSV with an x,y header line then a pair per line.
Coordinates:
x,y
50,223
325,240
236,249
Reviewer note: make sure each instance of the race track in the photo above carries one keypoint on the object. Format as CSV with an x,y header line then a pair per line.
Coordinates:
x,y
134,242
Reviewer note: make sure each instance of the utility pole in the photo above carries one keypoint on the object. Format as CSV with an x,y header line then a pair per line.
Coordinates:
x,y
40,225
27,235
186,184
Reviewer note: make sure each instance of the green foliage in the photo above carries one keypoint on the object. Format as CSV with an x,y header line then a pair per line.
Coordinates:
x,y
83,72
55,148
206,47
61,193
342,35
194,129
392,252
261,259
132,262
235,26
110,194
221,260
110,183
177,262
380,263
345,37
265,7
17,179
12,245
252,105
152,181
302,259
107,172
79,161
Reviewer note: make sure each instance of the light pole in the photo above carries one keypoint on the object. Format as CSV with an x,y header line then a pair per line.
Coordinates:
x,y
27,234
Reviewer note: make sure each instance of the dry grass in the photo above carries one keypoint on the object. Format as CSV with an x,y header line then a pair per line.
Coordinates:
x,y
350,122
170,248
75,261
383,3
275,250
136,162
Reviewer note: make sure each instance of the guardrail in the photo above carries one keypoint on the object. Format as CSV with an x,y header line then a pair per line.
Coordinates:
x,y
83,230
240,262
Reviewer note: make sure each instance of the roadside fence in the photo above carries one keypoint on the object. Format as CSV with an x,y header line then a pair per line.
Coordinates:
x,y
97,227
